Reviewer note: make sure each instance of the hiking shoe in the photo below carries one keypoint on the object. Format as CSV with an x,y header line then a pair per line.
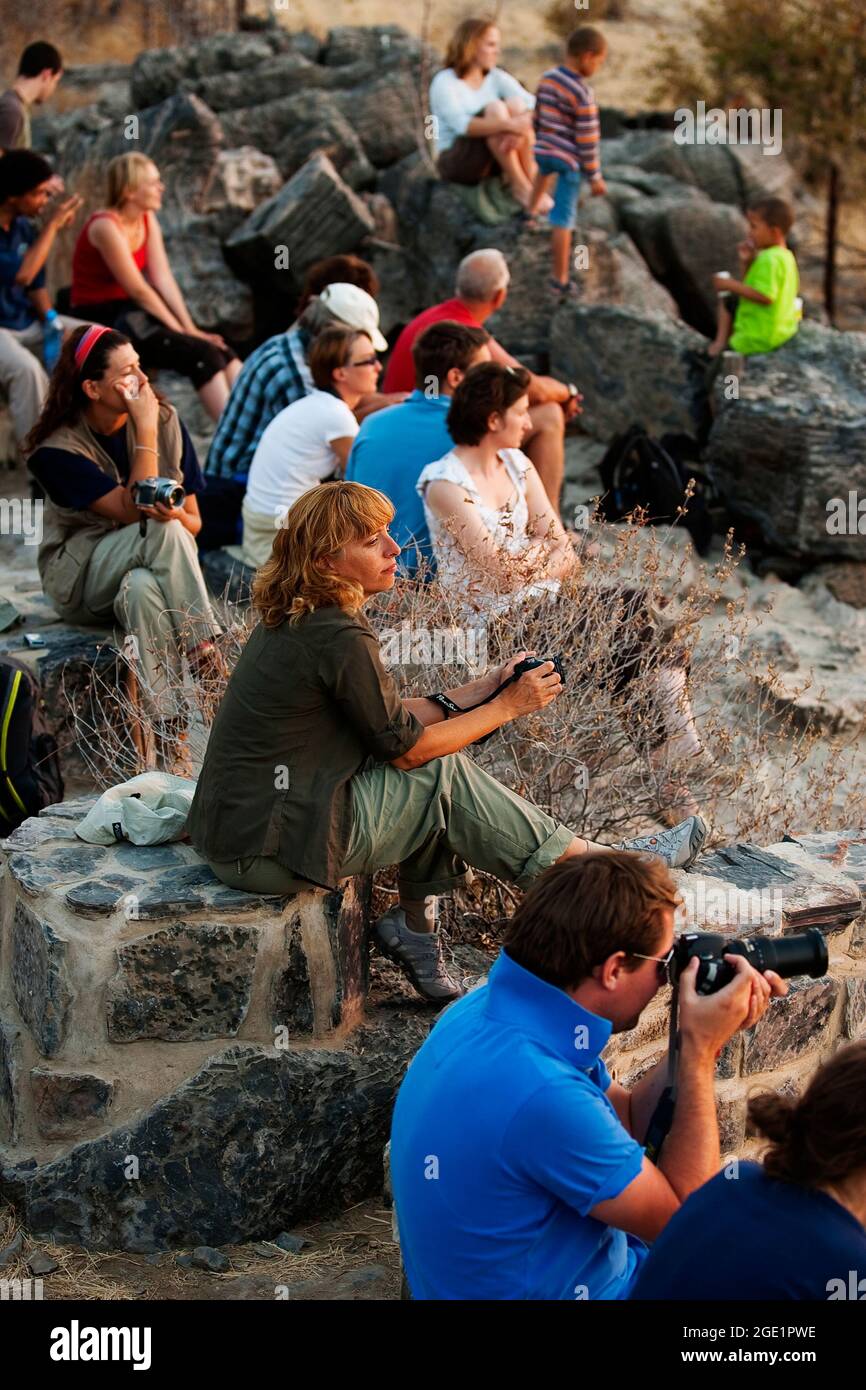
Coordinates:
x,y
418,954
679,847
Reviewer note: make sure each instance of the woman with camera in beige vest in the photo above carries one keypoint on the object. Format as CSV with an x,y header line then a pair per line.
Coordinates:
x,y
110,549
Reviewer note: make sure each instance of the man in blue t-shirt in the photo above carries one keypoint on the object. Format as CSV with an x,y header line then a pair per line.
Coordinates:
x,y
517,1163
394,446
25,188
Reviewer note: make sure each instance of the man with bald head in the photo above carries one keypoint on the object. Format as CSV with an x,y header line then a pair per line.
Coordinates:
x,y
482,288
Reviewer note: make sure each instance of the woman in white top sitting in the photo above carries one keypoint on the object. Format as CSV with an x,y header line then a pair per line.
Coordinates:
x,y
498,541
482,119
310,440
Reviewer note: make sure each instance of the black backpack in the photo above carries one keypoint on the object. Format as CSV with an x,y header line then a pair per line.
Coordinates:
x,y
638,471
29,766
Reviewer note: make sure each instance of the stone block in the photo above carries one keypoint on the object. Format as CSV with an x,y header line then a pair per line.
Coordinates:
x,y
742,890
789,449
314,215
320,125
39,979
183,982
256,1141
854,1020
630,366
791,1026
67,1102
684,240
842,850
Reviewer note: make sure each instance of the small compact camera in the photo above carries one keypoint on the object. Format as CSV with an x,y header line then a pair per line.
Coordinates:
x,y
149,491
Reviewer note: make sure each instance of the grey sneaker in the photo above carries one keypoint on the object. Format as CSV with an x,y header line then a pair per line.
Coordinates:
x,y
418,954
678,847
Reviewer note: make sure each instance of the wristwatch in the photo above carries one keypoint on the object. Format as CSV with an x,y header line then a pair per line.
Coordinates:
x,y
445,703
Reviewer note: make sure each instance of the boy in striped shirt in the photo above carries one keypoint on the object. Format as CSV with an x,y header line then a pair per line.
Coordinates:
x,y
566,142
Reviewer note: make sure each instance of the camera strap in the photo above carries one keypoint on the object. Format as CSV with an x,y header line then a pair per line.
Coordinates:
x,y
663,1116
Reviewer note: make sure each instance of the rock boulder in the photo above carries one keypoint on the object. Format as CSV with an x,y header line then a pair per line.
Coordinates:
x,y
791,448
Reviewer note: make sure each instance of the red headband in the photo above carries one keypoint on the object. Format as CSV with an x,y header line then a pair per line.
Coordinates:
x,y
92,336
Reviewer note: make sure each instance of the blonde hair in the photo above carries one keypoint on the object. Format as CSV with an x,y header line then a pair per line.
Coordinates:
x,y
464,41
125,174
292,582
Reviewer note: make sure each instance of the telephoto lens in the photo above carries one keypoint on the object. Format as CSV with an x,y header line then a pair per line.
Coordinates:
x,y
804,954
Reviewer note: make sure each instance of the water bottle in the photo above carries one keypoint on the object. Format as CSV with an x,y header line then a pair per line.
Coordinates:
x,y
52,340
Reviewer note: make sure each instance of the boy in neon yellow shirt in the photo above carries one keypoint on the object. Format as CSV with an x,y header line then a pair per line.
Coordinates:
x,y
762,307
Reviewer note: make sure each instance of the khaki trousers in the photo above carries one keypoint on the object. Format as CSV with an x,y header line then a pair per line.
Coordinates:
x,y
434,822
154,587
22,374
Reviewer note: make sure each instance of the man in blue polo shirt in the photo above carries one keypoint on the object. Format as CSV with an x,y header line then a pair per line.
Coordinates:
x,y
517,1163
392,447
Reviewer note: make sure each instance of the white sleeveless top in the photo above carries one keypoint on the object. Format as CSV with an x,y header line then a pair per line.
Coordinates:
x,y
508,526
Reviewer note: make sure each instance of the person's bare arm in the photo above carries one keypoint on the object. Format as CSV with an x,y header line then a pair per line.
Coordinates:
x,y
500,125
532,691
341,448
41,301
429,712
114,248
559,558
378,401
452,505
161,276
39,252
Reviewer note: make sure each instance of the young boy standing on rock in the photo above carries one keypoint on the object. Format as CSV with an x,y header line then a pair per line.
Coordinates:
x,y
566,142
762,307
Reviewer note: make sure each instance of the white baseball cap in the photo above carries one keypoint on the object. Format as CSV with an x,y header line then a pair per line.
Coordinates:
x,y
356,309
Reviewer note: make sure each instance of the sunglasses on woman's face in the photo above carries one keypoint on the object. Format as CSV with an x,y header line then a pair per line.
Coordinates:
x,y
365,362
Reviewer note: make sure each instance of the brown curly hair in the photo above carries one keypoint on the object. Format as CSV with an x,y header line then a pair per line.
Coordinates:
x,y
292,582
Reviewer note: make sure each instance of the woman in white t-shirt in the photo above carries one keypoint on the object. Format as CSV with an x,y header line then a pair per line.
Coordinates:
x,y
310,440
481,115
499,542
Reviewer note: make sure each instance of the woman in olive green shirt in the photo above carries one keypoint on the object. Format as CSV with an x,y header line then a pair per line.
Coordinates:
x,y
316,769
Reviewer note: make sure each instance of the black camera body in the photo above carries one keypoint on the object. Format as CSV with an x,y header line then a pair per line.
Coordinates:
x,y
148,491
531,663
804,954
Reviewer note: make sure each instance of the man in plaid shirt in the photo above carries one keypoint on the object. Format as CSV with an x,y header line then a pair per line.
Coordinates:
x,y
277,375
273,376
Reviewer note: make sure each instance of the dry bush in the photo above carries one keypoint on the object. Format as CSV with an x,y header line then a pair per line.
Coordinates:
x,y
585,759
563,17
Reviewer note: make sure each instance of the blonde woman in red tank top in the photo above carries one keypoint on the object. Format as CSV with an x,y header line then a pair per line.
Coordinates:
x,y
122,277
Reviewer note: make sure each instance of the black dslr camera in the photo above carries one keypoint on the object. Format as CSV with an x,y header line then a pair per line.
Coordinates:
x,y
530,663
805,954
149,491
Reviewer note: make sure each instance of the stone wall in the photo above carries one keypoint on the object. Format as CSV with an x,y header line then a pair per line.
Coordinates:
x,y
184,1064
178,1060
